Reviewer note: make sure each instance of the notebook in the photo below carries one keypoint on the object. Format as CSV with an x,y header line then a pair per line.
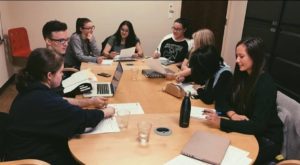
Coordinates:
x,y
206,147
106,89
126,55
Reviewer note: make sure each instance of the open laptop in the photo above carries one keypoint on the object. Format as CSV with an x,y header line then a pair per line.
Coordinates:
x,y
157,70
126,55
106,89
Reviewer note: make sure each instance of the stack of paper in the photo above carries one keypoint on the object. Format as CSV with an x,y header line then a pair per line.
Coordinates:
x,y
105,126
111,125
134,108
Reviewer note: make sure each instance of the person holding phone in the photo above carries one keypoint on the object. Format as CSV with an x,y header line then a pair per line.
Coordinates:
x,y
82,45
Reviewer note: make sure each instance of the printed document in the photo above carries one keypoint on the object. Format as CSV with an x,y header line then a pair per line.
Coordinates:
x,y
134,108
128,52
104,126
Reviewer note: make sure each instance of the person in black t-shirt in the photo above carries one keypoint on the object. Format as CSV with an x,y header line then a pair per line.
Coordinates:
x,y
175,46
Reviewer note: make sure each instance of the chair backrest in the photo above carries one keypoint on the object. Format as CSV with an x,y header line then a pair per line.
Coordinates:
x,y
3,125
25,162
103,44
19,42
289,113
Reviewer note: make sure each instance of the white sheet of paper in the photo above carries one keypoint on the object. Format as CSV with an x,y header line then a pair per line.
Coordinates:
x,y
105,126
134,108
197,112
155,65
181,159
107,62
233,155
188,88
128,52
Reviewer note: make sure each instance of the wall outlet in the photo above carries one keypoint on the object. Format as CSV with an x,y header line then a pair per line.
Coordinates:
x,y
170,11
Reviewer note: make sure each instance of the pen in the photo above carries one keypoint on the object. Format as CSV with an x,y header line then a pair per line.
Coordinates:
x,y
207,111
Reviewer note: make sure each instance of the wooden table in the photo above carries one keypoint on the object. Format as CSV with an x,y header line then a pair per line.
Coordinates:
x,y
147,91
123,147
161,109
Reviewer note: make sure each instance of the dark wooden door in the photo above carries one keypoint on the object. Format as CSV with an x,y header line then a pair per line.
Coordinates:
x,y
206,14
279,27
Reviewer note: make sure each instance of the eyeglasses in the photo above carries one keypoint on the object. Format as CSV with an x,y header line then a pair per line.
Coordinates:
x,y
124,30
60,41
176,29
89,28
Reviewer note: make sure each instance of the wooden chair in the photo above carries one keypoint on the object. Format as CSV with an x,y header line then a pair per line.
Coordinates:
x,y
289,162
19,42
25,162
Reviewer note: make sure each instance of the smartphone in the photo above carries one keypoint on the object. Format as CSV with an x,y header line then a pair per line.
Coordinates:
x,y
104,74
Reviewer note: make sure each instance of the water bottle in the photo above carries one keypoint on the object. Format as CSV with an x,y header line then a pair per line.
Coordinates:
x,y
185,111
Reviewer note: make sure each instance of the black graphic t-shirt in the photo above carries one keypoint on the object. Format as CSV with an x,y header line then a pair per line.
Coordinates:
x,y
174,50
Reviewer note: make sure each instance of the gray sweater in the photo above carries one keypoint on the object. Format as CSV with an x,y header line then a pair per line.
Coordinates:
x,y
81,50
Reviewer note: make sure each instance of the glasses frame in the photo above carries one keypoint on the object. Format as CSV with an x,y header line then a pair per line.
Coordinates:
x,y
89,28
61,41
177,30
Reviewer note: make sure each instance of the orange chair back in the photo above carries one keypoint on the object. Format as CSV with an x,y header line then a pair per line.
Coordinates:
x,y
19,42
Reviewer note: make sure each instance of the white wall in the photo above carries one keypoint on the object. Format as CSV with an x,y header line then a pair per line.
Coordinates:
x,y
6,69
236,12
149,18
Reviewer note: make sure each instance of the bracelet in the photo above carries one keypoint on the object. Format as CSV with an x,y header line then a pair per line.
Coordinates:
x,y
232,115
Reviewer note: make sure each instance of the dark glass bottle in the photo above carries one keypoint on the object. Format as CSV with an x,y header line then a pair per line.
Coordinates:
x,y
185,111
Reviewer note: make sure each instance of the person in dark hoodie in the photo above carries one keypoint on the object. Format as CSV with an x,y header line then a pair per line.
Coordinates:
x,y
211,75
40,120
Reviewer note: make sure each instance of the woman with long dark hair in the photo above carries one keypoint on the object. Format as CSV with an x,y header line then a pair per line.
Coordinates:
x,y
252,109
41,121
124,37
82,45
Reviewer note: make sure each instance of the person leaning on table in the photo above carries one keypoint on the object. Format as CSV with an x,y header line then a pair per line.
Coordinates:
x,y
252,109
82,45
201,38
40,120
56,38
124,37
211,76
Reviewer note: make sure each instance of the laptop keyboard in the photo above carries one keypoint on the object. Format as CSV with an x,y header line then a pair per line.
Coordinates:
x,y
102,88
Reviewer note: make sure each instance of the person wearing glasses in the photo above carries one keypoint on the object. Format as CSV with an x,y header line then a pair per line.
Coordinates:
x,y
40,121
82,46
124,37
175,46
56,38
252,105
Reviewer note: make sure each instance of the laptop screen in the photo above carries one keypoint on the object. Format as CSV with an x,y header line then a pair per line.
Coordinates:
x,y
117,77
